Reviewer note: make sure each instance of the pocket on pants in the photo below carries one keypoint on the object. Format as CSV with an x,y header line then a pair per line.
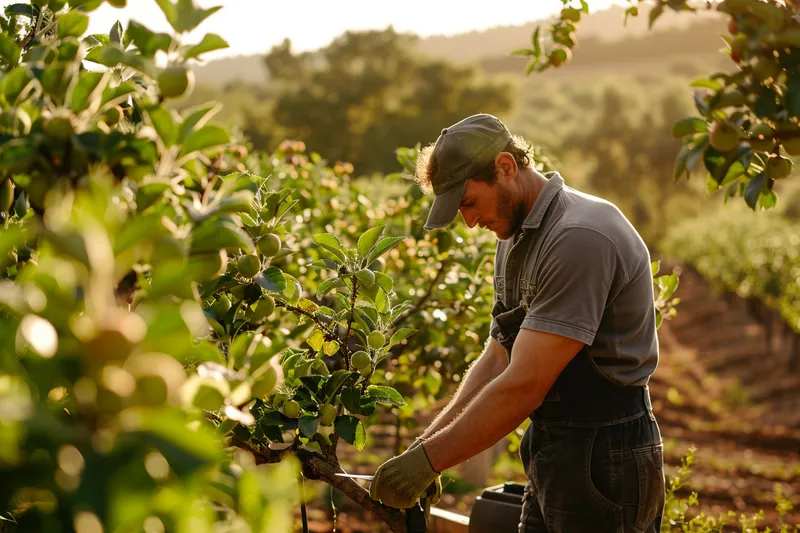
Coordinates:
x,y
650,472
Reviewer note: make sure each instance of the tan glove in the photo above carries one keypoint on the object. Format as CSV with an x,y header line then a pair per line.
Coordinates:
x,y
402,480
434,492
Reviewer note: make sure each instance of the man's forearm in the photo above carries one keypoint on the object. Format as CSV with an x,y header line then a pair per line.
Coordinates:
x,y
500,407
488,366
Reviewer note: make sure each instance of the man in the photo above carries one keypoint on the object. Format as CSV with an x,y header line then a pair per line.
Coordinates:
x,y
573,344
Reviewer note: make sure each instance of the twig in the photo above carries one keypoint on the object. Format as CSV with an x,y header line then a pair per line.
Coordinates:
x,y
353,296
329,334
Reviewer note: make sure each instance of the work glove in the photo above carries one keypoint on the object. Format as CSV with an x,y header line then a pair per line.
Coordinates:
x,y
402,480
434,492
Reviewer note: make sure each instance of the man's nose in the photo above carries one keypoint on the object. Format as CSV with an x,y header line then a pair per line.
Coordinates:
x,y
470,217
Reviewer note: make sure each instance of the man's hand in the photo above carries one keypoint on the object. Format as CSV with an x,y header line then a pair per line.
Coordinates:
x,y
402,480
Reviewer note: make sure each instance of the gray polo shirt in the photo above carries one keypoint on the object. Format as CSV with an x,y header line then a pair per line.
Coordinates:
x,y
582,271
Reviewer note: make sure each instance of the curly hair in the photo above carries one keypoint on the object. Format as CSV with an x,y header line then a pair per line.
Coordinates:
x,y
519,148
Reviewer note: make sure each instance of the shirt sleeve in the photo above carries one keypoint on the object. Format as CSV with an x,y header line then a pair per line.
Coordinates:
x,y
573,282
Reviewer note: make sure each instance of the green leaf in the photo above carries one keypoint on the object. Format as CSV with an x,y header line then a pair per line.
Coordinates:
x,y
210,42
400,335
197,117
351,399
706,83
753,189
385,395
115,95
384,281
9,50
308,425
680,162
147,41
351,430
688,126
335,382
170,12
667,286
204,138
188,15
88,87
381,302
271,279
330,348
330,243
537,47
212,235
72,23
15,83
368,239
316,340
654,14
383,246
328,285
655,266
115,35
162,121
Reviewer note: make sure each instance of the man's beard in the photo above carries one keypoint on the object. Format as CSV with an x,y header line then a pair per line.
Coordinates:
x,y
510,210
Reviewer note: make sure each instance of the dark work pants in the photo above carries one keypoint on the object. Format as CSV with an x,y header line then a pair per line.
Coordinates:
x,y
598,479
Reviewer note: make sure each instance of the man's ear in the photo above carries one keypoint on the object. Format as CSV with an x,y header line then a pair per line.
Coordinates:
x,y
506,166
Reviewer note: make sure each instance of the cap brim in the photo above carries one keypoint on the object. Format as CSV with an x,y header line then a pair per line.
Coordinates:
x,y
445,207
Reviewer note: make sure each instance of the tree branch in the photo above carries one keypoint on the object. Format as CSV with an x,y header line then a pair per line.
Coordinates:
x,y
353,297
329,334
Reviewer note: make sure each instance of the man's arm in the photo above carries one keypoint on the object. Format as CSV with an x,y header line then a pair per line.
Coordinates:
x,y
537,360
487,367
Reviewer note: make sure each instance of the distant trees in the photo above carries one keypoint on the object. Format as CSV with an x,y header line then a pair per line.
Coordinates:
x,y
368,92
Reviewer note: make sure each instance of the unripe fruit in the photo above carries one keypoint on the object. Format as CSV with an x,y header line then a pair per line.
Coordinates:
x,y
328,414
6,195
360,360
779,167
112,116
559,56
59,127
269,245
291,409
376,340
278,400
208,266
221,306
249,265
174,82
267,382
366,370
723,136
262,311
208,397
366,276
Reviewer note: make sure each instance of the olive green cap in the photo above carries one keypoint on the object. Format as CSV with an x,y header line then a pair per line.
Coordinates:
x,y
460,152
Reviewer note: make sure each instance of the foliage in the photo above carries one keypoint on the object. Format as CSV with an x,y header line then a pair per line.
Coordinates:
x,y
368,92
748,118
753,256
681,516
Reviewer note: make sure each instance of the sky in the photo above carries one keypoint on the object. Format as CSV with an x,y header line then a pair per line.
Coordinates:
x,y
254,26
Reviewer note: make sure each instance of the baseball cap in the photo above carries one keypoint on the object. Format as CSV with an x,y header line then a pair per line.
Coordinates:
x,y
460,152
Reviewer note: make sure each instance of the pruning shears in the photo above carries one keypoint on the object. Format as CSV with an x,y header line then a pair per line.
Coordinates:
x,y
416,517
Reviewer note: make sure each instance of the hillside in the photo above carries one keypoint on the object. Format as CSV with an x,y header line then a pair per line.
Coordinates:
x,y
604,42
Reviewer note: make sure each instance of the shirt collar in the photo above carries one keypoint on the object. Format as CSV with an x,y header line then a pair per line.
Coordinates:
x,y
553,186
